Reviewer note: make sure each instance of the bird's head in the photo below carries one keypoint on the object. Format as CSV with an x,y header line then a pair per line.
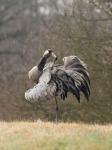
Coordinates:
x,y
49,53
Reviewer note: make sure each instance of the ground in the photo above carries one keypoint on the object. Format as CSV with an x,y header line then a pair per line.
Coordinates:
x,y
40,135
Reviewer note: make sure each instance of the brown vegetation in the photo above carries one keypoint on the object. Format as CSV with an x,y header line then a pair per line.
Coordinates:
x,y
47,135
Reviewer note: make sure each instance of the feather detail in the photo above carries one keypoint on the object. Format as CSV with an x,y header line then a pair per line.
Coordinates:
x,y
59,80
42,91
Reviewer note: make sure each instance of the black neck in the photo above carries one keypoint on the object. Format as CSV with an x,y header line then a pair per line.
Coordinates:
x,y
42,63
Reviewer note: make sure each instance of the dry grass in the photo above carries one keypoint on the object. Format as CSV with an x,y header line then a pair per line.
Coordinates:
x,y
50,136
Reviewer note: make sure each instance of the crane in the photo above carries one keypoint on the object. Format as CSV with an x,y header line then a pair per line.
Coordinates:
x,y
57,80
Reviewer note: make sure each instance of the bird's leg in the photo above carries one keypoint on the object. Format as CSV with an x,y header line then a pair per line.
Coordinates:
x,y
56,110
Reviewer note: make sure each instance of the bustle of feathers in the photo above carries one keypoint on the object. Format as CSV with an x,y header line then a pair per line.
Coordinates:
x,y
59,80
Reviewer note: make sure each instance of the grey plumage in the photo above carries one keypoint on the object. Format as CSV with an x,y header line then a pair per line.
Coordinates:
x,y
59,80
35,73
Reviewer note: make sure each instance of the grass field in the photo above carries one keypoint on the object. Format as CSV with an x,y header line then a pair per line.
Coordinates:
x,y
51,136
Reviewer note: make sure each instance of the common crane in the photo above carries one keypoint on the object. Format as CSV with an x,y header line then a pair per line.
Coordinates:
x,y
57,80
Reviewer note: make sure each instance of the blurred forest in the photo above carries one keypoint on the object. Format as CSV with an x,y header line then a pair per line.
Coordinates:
x,y
70,27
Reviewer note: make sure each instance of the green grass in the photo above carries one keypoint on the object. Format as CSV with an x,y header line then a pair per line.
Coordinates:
x,y
50,136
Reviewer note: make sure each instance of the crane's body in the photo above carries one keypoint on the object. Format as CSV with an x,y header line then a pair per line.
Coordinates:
x,y
58,80
55,80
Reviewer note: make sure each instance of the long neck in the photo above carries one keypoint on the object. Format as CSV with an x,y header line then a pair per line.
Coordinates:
x,y
42,63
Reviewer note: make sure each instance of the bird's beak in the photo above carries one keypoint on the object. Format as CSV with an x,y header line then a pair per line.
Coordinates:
x,y
54,56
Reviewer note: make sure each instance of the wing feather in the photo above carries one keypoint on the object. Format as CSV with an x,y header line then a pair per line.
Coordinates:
x,y
65,84
59,80
78,71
